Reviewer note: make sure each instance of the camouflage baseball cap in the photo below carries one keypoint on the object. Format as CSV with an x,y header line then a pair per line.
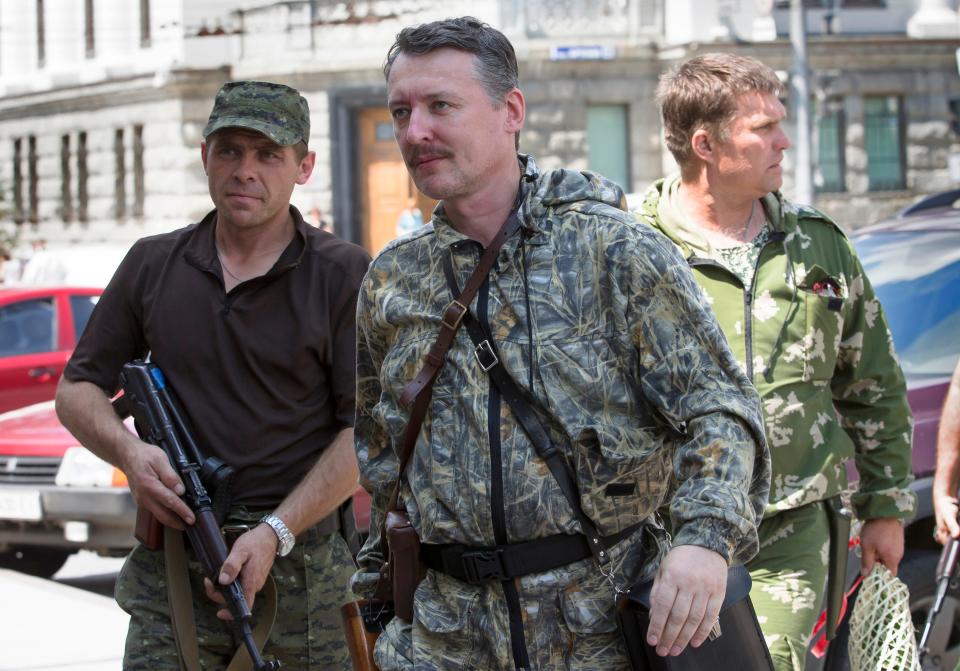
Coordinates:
x,y
277,111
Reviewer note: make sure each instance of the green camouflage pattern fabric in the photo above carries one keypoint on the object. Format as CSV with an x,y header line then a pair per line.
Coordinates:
x,y
312,583
634,381
277,111
789,575
814,355
741,260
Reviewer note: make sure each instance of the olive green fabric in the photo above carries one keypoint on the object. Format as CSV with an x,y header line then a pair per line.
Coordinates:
x,y
599,320
312,583
812,355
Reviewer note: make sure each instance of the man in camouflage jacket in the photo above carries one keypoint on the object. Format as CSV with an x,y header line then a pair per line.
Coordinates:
x,y
599,322
802,320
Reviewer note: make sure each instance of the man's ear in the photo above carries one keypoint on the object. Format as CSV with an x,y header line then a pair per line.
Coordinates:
x,y
305,169
516,111
702,145
203,155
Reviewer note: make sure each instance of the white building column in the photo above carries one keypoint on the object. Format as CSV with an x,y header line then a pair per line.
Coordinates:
x,y
63,35
764,27
934,18
116,31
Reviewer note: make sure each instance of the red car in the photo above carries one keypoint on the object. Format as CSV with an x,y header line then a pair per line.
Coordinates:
x,y
39,328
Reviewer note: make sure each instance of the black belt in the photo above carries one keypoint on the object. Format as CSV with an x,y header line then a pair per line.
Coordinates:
x,y
477,565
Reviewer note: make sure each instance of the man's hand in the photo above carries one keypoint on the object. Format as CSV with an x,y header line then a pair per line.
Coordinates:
x,y
686,598
881,540
155,485
945,509
251,558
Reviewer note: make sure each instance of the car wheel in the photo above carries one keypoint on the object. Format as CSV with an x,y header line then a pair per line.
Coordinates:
x,y
918,572
38,561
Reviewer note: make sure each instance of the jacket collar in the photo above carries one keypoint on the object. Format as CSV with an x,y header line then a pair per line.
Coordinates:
x,y
447,235
660,205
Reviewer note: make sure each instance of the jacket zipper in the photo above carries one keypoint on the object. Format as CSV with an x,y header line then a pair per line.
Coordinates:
x,y
697,261
497,510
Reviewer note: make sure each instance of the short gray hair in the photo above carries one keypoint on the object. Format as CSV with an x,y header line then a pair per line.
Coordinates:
x,y
496,61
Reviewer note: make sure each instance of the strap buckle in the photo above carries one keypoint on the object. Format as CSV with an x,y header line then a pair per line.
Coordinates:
x,y
452,321
485,355
480,566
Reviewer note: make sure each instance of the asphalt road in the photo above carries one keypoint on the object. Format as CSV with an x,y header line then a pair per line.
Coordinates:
x,y
70,622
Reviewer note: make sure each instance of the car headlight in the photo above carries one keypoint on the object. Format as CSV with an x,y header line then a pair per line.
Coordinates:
x,y
82,468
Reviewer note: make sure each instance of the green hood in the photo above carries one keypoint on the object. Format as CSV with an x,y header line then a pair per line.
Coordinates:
x,y
660,210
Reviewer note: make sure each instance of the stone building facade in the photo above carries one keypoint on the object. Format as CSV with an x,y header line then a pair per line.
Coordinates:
x,y
102,102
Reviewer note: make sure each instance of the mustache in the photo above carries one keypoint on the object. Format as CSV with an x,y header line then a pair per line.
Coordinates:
x,y
418,152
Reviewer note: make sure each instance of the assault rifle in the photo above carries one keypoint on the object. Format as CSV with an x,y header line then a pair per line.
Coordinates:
x,y
159,422
946,567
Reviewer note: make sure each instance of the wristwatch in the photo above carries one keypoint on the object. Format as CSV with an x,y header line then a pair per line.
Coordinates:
x,y
284,535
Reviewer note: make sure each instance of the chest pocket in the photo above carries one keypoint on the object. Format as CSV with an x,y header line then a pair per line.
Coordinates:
x,y
816,337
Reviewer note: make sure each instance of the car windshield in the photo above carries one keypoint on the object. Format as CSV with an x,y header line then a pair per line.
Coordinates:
x,y
916,275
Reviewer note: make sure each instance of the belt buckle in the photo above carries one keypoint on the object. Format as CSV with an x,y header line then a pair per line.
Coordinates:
x,y
231,532
458,309
485,350
481,566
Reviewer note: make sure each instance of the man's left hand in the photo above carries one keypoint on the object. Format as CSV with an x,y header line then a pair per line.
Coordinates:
x,y
251,559
881,540
686,598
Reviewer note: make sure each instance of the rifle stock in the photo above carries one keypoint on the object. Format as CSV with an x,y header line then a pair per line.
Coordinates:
x,y
159,421
946,567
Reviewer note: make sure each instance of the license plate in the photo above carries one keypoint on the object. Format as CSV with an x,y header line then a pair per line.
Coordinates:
x,y
24,505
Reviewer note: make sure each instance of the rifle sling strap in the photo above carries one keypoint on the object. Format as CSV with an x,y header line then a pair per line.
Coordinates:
x,y
420,389
486,355
181,608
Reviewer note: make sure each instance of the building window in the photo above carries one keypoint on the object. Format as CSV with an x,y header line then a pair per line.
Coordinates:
x,y
89,35
33,179
18,181
883,140
82,176
831,141
144,23
138,177
120,176
608,140
66,192
41,36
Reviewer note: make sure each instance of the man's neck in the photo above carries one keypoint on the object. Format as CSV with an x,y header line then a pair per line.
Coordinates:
x,y
245,244
721,214
480,215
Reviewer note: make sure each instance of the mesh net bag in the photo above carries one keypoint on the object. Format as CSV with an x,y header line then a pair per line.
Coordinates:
x,y
881,631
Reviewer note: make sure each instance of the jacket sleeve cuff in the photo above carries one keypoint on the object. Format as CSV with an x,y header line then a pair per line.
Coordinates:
x,y
895,502
710,533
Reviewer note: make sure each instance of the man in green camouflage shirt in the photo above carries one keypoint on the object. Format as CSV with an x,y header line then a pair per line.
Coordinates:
x,y
599,322
803,322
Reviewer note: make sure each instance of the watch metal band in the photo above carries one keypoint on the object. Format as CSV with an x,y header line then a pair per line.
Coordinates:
x,y
284,535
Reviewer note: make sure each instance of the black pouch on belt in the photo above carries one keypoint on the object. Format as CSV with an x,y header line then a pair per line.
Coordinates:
x,y
739,641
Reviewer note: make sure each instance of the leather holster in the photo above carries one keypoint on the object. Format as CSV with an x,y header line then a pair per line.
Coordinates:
x,y
406,569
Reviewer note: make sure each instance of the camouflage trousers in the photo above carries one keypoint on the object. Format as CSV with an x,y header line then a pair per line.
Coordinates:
x,y
789,578
312,584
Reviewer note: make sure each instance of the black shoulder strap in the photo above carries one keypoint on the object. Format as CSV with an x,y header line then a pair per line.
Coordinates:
x,y
486,354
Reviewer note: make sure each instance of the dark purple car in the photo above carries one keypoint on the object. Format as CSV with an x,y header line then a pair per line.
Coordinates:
x,y
913,262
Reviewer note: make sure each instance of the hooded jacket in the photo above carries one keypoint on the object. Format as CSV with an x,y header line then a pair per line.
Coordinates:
x,y
811,335
599,321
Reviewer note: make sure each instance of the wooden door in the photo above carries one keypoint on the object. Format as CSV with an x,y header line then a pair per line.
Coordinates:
x,y
385,184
